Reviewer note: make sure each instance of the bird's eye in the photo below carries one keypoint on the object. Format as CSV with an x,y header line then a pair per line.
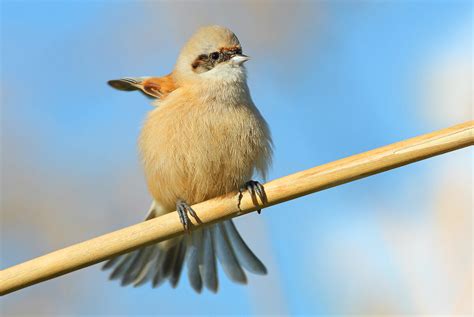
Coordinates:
x,y
214,56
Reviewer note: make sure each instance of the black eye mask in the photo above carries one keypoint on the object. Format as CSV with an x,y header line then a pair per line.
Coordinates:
x,y
204,63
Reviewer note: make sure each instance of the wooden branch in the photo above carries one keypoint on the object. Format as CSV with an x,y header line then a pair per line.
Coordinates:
x,y
289,187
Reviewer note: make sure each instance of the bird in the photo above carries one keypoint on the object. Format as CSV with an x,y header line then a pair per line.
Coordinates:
x,y
204,138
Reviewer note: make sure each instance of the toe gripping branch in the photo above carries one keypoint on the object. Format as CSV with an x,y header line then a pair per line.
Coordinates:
x,y
183,210
255,189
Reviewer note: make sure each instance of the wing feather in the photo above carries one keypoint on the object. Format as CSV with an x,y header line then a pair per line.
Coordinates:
x,y
154,87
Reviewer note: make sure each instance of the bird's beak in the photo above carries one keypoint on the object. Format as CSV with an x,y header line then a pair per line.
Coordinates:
x,y
239,59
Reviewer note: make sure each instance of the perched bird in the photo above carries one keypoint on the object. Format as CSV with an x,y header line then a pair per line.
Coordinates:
x,y
204,139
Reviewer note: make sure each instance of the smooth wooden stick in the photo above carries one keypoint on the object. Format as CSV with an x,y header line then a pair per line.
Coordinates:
x,y
289,187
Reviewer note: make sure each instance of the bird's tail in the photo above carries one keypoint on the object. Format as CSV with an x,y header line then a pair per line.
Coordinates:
x,y
200,251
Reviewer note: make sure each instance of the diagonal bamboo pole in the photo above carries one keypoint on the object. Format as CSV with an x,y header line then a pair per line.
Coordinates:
x,y
289,187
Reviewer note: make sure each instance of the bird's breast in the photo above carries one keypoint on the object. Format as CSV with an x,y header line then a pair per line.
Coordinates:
x,y
195,151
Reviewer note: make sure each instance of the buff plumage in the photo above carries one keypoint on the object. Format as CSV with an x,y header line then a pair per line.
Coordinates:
x,y
205,138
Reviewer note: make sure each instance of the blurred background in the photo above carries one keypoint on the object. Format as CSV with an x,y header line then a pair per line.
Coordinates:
x,y
332,79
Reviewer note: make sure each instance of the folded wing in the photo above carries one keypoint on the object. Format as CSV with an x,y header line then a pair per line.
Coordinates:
x,y
153,87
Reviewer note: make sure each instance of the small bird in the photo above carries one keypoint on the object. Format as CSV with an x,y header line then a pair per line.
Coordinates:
x,y
205,138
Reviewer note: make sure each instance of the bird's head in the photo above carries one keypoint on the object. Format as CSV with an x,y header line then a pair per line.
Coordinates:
x,y
212,53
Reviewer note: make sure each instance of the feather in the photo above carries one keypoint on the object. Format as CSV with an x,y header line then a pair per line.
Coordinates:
x,y
149,268
154,87
122,266
137,265
112,262
208,267
178,264
226,255
193,258
244,255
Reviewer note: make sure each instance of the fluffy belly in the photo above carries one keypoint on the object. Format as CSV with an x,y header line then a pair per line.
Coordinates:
x,y
195,181
197,159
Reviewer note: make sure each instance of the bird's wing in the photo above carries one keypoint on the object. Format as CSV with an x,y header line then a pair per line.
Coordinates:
x,y
154,87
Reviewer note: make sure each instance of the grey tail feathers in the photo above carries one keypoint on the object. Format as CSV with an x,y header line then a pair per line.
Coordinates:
x,y
200,251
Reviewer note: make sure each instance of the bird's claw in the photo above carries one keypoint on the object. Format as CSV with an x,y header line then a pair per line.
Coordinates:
x,y
183,210
255,189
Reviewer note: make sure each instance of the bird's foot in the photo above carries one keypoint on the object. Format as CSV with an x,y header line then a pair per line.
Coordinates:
x,y
255,189
183,210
